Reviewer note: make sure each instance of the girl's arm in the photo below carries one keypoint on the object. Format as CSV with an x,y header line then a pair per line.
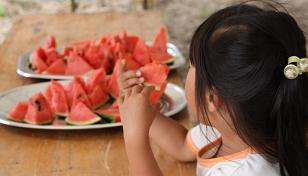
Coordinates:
x,y
170,136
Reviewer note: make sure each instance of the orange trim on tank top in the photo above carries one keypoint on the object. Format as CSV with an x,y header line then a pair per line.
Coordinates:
x,y
213,161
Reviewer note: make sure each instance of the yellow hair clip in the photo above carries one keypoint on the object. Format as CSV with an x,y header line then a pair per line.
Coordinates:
x,y
292,71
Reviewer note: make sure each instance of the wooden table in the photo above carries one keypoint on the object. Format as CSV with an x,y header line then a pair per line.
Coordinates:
x,y
93,152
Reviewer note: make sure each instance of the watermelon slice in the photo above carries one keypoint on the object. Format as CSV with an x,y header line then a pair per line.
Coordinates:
x,y
131,64
50,42
18,112
131,42
110,114
141,53
156,94
98,97
39,111
98,77
79,95
70,86
52,55
154,74
112,82
158,50
37,59
77,65
67,50
59,104
94,55
56,68
82,115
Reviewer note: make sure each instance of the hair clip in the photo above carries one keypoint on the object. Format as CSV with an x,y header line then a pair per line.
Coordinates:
x,y
291,71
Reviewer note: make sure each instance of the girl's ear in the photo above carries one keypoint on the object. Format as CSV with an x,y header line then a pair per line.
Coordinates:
x,y
213,101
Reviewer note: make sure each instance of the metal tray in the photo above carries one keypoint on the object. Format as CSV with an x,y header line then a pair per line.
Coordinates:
x,y
173,102
24,70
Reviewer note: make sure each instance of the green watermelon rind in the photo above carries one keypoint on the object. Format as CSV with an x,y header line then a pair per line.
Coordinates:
x,y
169,61
109,117
12,118
147,84
102,103
38,123
88,122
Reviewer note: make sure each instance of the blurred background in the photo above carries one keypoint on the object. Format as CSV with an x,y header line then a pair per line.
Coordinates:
x,y
180,16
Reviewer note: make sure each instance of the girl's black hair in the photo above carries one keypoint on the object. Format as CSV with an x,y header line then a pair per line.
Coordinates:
x,y
240,53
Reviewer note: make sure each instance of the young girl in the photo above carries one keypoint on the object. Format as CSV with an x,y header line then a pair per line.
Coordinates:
x,y
249,94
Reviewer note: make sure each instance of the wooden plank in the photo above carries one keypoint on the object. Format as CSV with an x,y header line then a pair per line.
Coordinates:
x,y
95,152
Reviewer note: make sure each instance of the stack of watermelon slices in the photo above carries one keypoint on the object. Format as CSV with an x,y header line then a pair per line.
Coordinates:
x,y
82,57
84,102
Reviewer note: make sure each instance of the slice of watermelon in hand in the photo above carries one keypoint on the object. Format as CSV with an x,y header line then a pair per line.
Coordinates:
x,y
82,115
18,112
156,94
39,111
154,74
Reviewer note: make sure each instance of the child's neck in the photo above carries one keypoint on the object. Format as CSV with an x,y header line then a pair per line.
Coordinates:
x,y
231,143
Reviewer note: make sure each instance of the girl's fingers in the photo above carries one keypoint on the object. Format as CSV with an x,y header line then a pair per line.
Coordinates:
x,y
127,93
147,90
136,89
122,66
132,82
120,99
130,74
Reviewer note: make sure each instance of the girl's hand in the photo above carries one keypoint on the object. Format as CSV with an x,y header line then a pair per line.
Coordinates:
x,y
128,78
137,114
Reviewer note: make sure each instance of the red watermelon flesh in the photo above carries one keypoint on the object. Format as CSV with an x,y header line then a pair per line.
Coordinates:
x,y
98,97
39,111
77,65
112,83
38,63
58,122
156,94
94,55
80,95
158,50
155,74
18,112
40,52
98,77
50,42
131,42
106,64
47,94
82,115
67,50
130,63
52,55
59,103
70,86
57,68
141,53
110,114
